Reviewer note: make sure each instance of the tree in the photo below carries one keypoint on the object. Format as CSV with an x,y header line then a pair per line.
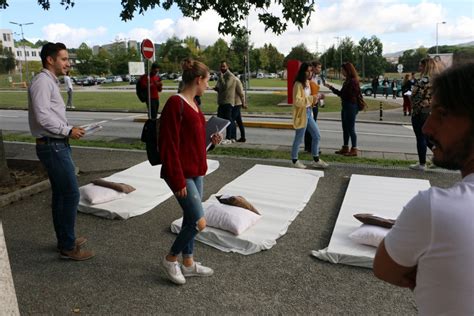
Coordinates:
x,y
232,12
370,62
217,52
300,53
410,58
84,58
7,60
239,45
275,58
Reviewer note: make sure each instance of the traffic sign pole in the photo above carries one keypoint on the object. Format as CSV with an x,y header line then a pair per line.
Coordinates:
x,y
148,50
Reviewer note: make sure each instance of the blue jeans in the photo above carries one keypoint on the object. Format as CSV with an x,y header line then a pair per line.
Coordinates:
x,y
313,129
192,213
225,111
348,117
56,158
417,121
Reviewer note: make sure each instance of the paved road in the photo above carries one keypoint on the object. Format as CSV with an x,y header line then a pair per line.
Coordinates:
x,y
390,138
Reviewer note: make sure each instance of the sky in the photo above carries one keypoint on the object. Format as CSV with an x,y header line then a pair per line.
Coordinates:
x,y
399,24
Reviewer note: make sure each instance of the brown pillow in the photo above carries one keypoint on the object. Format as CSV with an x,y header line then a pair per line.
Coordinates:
x,y
371,219
121,187
238,201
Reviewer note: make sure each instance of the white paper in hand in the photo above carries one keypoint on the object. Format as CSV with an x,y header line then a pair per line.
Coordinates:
x,y
91,128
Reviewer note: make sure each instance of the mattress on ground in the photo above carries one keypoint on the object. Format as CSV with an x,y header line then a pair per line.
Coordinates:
x,y
384,196
150,191
278,193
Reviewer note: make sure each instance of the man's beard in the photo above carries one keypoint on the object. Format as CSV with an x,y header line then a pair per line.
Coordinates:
x,y
456,155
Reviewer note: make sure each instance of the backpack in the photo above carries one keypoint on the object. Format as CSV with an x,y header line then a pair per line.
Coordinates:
x,y
141,92
150,136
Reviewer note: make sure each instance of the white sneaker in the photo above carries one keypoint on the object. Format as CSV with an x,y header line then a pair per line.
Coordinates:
x,y
321,164
173,271
232,140
417,167
226,142
197,269
298,165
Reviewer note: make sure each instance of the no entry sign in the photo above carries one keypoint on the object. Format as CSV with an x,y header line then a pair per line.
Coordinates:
x,y
148,49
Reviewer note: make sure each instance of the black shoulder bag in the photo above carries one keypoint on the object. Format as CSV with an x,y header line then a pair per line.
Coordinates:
x,y
150,136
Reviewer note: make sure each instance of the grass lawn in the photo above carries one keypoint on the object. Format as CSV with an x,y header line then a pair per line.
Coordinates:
x,y
228,151
127,101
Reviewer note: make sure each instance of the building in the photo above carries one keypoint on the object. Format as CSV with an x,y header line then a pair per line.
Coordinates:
x,y
21,53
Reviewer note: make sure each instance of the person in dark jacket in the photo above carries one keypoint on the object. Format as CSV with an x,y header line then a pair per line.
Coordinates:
x,y
375,86
349,92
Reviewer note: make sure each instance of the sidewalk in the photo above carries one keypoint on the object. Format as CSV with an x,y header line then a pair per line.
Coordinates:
x,y
125,277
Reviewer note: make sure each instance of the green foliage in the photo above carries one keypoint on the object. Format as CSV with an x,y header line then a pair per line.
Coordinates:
x,y
410,58
7,60
299,52
232,12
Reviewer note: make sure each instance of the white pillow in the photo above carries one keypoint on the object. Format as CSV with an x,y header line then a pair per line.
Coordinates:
x,y
231,218
96,194
369,235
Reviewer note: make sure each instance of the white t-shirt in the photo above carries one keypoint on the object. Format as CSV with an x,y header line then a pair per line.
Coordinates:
x,y
436,232
307,92
68,82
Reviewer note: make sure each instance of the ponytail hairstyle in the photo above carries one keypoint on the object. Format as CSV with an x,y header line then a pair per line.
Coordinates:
x,y
193,69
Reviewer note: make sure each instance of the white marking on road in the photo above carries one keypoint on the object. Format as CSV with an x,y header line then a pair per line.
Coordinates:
x,y
9,116
410,127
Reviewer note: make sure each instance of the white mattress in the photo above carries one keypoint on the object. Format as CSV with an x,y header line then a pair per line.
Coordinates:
x,y
150,191
278,193
383,196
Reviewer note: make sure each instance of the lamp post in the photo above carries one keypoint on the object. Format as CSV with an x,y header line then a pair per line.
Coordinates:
x,y
438,23
340,52
24,46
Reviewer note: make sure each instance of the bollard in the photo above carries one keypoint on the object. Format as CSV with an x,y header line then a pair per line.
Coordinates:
x,y
381,111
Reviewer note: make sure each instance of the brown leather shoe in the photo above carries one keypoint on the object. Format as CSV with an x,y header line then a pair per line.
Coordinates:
x,y
76,254
352,153
342,151
78,242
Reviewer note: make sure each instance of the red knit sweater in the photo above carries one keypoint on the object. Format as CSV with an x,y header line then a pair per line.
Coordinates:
x,y
182,143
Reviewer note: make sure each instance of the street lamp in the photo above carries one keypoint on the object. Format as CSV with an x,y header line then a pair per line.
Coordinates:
x,y
24,46
437,23
340,51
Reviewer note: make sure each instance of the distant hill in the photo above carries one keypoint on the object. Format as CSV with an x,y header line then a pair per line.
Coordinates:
x,y
400,53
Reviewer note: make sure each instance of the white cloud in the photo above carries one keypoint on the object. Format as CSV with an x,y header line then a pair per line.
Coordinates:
x,y
72,37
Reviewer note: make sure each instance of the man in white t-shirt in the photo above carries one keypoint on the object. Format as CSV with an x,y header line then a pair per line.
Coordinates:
x,y
430,248
68,84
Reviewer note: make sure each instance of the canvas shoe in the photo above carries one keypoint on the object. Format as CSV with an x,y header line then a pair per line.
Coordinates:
x,y
197,269
320,164
298,165
173,271
417,167
226,142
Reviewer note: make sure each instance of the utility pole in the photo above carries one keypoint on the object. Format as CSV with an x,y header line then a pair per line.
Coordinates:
x,y
340,52
438,23
24,46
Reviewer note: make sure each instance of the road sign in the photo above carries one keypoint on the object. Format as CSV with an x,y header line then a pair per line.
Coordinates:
x,y
400,68
148,49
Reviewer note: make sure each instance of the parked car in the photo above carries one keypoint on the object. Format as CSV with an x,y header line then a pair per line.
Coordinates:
x,y
367,90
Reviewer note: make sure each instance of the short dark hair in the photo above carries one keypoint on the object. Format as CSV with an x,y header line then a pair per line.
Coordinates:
x,y
316,63
155,66
453,90
50,50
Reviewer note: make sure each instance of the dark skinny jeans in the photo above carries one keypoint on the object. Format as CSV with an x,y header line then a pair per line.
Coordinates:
x,y
348,117
417,121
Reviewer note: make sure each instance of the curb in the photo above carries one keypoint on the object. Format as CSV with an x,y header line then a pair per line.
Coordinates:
x,y
23,193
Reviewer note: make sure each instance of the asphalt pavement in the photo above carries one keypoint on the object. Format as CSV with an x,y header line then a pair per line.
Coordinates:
x,y
125,277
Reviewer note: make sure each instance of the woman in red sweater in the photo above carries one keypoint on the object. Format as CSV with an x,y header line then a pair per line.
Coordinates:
x,y
182,145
